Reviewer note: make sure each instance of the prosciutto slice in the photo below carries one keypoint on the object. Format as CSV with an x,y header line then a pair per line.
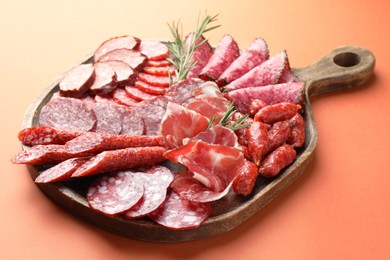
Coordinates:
x,y
216,135
180,122
215,166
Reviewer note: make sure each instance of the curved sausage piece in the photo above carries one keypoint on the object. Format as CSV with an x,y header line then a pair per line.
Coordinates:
x,y
277,160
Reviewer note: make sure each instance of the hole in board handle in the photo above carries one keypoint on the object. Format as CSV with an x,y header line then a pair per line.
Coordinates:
x,y
346,59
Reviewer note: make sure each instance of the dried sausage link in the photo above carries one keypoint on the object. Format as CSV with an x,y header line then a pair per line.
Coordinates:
x,y
277,160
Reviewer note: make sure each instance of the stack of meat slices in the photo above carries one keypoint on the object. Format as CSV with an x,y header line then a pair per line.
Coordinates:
x,y
118,118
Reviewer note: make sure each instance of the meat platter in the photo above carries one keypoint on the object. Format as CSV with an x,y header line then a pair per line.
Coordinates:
x,y
342,68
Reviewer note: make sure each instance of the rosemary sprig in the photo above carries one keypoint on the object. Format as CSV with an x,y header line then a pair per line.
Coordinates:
x,y
236,125
182,55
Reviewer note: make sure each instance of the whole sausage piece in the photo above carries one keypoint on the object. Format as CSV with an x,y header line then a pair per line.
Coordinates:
x,y
278,134
277,160
297,137
277,112
258,141
246,179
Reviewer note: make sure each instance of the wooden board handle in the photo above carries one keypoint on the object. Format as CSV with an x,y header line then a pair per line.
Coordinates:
x,y
343,68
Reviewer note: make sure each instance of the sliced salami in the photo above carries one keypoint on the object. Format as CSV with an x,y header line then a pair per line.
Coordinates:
x,y
132,123
116,192
121,97
133,58
224,54
145,87
105,79
156,181
267,73
160,71
46,135
158,63
68,113
77,81
109,118
158,81
154,50
121,159
61,171
200,56
138,94
179,213
120,42
124,73
152,116
182,91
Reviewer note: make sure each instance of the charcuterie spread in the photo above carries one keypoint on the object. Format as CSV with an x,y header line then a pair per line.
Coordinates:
x,y
230,116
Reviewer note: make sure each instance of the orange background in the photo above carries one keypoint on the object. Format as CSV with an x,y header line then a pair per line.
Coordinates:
x,y
338,209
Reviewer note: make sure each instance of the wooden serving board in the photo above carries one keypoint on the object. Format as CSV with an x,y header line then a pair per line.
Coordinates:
x,y
344,67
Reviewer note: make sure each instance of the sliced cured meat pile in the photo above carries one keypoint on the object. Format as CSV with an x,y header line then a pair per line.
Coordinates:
x,y
119,118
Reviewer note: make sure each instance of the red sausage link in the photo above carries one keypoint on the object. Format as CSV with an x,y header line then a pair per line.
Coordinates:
x,y
256,105
258,141
277,112
277,160
297,137
246,179
278,134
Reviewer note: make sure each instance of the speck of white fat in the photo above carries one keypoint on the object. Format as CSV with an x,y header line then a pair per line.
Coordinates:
x,y
111,179
190,219
102,189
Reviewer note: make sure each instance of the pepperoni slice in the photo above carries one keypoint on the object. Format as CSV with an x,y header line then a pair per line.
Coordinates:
x,y
120,42
158,63
138,94
160,71
133,58
154,50
145,87
77,81
158,81
179,213
156,181
121,97
116,192
68,113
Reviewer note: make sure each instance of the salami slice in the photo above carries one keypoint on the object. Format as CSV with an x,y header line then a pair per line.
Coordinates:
x,y
120,42
109,118
77,81
124,73
145,87
46,135
68,113
154,80
133,58
182,91
121,97
292,92
154,50
224,54
158,63
116,192
200,56
61,171
105,80
179,213
267,73
138,94
152,116
160,71
121,159
156,181
132,123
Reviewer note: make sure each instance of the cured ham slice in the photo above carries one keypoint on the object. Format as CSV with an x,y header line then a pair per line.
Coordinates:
x,y
179,213
224,54
268,72
216,135
116,192
215,166
156,181
292,92
179,123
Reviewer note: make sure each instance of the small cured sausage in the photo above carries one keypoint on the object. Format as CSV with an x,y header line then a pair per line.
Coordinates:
x,y
105,79
121,159
68,113
121,42
266,73
154,50
255,105
156,181
116,192
256,54
147,88
297,137
278,134
179,213
61,171
246,179
277,160
200,56
258,141
77,81
224,54
124,73
133,58
292,92
277,112
46,135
